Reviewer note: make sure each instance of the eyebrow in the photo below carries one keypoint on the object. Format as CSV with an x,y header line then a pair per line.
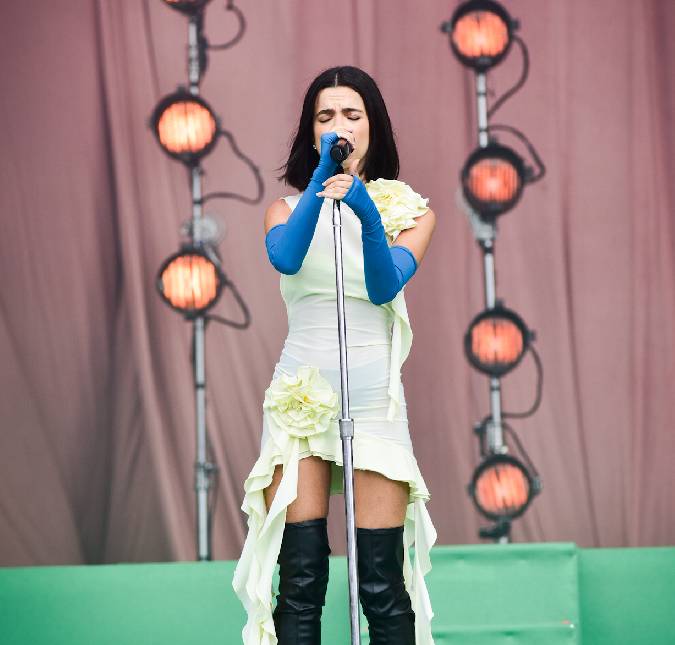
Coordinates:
x,y
328,111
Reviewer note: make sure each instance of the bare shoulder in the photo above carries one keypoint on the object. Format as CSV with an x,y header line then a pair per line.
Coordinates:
x,y
277,213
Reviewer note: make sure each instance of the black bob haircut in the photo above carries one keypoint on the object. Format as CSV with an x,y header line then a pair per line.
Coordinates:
x,y
381,160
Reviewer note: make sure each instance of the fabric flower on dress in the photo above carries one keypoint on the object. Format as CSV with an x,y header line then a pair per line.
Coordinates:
x,y
397,203
302,405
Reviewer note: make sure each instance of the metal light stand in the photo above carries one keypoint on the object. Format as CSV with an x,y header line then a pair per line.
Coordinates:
x,y
346,433
203,468
486,234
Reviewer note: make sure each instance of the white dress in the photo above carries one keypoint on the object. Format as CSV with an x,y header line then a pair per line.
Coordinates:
x,y
308,376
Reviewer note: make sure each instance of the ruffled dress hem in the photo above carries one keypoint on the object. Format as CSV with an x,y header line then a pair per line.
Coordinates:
x,y
253,575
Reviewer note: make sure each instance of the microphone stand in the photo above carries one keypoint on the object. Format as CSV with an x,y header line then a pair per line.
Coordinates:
x,y
346,433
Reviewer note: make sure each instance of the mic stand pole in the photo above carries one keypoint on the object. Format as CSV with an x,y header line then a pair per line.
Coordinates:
x,y
346,433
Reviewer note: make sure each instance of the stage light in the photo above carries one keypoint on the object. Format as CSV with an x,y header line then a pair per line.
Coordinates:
x,y
189,7
191,280
502,487
480,32
185,126
493,178
496,341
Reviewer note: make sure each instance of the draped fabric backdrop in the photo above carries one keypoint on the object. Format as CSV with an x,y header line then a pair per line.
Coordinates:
x,y
96,399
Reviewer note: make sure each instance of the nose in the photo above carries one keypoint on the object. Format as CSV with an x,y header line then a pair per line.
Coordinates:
x,y
341,121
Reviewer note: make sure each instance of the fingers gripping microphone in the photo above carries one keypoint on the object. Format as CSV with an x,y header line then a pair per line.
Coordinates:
x,y
340,150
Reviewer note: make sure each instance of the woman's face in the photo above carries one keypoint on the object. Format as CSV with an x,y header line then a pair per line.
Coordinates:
x,y
342,108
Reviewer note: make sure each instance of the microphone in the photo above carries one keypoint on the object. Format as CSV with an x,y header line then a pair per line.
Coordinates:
x,y
340,150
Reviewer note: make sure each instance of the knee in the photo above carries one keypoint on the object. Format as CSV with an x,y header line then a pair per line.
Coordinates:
x,y
313,490
380,501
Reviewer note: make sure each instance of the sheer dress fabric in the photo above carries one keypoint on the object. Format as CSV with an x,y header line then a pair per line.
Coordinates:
x,y
378,342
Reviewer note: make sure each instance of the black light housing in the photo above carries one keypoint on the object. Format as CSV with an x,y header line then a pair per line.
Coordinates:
x,y
189,7
502,488
493,179
480,33
191,281
496,341
185,126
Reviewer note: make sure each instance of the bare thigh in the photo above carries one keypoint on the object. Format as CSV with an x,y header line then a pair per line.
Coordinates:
x,y
313,490
379,502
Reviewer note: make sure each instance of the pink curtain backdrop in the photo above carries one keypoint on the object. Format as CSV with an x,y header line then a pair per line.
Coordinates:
x,y
96,398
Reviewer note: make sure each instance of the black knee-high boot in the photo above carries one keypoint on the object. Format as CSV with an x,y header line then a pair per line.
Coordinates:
x,y
385,601
303,578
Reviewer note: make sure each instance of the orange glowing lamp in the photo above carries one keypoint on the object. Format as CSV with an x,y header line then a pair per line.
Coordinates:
x,y
493,178
191,281
502,487
185,126
496,341
481,32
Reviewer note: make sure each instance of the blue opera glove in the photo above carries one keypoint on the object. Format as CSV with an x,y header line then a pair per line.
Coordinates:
x,y
386,269
287,243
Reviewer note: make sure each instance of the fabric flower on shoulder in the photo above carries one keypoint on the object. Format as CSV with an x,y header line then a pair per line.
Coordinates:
x,y
302,405
397,203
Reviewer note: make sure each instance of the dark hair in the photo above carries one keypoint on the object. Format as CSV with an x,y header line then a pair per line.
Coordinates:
x,y
381,160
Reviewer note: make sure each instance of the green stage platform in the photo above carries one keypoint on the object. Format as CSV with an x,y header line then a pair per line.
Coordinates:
x,y
516,594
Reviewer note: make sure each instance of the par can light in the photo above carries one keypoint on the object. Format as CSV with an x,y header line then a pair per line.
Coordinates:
x,y
502,487
480,32
493,178
496,341
191,281
185,126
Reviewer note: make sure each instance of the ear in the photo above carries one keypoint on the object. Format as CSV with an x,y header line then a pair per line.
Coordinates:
x,y
354,167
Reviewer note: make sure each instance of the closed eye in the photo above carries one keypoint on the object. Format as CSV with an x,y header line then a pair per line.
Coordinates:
x,y
326,115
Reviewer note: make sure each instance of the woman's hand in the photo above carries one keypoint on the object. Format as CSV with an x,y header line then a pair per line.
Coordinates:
x,y
327,165
336,187
327,139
